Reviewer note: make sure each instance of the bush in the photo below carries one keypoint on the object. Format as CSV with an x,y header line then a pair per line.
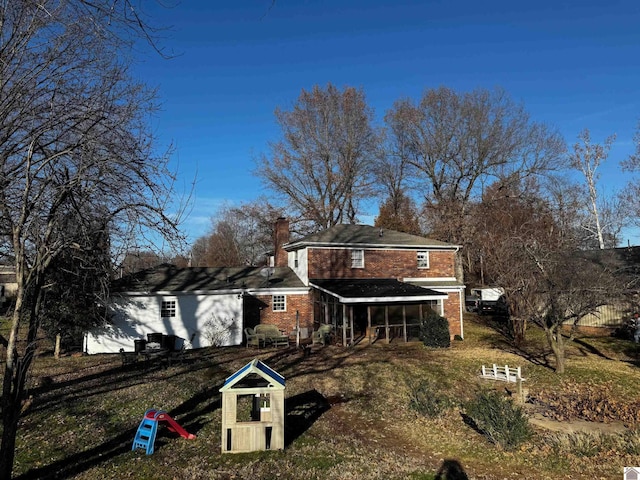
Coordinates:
x,y
434,330
496,417
427,399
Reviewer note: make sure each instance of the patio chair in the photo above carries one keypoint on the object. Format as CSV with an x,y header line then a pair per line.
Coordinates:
x,y
178,355
128,358
321,335
254,339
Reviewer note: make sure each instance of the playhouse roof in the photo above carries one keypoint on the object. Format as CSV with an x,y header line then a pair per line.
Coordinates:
x,y
255,367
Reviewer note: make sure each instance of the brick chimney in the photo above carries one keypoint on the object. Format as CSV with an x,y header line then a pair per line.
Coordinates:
x,y
281,237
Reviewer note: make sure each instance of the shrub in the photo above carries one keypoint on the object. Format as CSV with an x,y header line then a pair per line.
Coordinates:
x,y
499,419
427,399
434,330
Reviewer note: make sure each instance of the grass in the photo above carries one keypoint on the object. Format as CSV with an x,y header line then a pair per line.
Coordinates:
x,y
85,411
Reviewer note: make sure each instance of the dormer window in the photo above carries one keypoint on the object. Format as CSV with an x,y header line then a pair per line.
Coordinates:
x,y
357,258
423,259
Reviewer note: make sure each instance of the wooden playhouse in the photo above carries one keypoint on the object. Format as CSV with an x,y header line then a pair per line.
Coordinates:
x,y
253,409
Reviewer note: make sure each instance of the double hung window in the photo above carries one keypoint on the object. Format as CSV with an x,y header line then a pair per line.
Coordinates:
x,y
423,259
357,258
279,303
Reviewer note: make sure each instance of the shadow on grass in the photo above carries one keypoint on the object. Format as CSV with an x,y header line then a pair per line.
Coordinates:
x,y
586,348
301,412
195,412
530,350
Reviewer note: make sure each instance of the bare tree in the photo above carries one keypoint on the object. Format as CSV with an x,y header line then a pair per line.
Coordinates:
x,y
399,213
509,221
240,235
322,166
531,251
74,139
457,142
630,196
586,158
391,168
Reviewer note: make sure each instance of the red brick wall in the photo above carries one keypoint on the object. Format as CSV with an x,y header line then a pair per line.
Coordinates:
x,y
378,263
286,321
452,313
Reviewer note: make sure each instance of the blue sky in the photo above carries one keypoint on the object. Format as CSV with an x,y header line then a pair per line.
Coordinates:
x,y
573,65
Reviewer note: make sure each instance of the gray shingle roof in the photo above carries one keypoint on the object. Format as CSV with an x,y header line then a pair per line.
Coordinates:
x,y
168,278
365,235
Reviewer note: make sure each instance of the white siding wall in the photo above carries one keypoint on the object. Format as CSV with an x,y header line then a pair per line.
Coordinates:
x,y
198,319
302,270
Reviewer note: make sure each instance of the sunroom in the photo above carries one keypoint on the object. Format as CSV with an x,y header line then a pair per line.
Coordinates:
x,y
371,309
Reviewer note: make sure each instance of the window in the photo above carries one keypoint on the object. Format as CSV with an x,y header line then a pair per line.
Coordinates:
x,y
168,309
279,303
423,259
357,258
295,261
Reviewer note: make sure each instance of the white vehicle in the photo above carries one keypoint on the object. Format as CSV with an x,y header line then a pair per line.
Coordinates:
x,y
490,300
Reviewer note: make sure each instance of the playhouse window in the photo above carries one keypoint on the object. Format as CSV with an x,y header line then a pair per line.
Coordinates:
x,y
168,309
279,303
264,401
246,409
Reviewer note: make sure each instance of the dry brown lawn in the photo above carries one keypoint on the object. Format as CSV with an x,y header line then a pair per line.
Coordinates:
x,y
349,415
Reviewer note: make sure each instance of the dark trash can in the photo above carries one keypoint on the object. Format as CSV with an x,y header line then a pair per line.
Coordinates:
x,y
139,345
169,342
154,338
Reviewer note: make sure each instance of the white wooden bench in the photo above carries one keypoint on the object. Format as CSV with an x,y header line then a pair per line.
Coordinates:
x,y
503,373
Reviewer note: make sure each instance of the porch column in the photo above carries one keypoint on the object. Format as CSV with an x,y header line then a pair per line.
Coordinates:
x,y
351,322
404,322
369,322
386,322
327,314
344,325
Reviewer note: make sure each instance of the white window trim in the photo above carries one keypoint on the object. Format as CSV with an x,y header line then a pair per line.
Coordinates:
x,y
273,302
360,260
425,258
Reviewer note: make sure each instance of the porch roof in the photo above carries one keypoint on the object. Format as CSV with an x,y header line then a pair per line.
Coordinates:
x,y
375,290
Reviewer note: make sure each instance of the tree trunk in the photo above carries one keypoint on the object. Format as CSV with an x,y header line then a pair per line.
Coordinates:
x,y
16,371
519,326
56,350
556,342
12,393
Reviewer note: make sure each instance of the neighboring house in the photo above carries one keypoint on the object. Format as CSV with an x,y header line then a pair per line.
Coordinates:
x,y
624,262
362,280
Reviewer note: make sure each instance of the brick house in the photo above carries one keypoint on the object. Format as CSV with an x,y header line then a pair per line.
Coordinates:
x,y
366,282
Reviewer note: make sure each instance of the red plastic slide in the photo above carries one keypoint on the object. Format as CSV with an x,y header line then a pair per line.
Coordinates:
x,y
172,425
